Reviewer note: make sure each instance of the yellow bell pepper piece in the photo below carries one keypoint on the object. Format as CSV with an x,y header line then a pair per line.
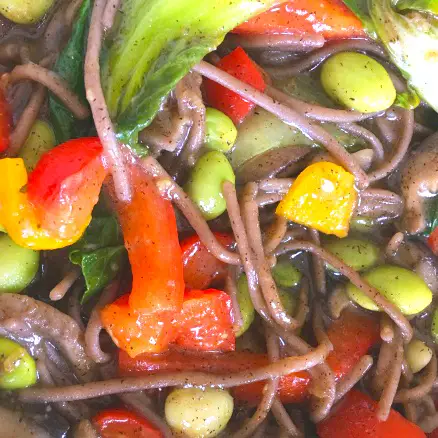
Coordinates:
x,y
17,215
322,197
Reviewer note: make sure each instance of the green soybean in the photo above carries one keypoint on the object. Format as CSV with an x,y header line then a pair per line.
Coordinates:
x,y
418,355
357,82
220,132
24,11
288,300
40,140
361,224
245,305
18,265
357,253
17,367
398,285
205,183
285,274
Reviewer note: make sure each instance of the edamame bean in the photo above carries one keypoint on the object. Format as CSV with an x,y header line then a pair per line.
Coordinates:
x,y
18,265
245,304
41,139
17,367
398,285
198,413
220,132
205,183
358,82
361,224
418,355
288,300
24,11
285,274
357,253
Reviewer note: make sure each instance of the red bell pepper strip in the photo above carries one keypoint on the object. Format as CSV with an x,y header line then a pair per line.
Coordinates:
x,y
362,330
239,65
151,238
61,193
116,423
206,322
5,123
144,320
432,241
355,417
201,267
328,18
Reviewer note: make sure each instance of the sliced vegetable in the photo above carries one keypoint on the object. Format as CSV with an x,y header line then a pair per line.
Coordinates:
x,y
357,81
323,196
198,413
177,35
136,332
115,423
40,140
206,322
100,253
402,287
329,18
5,122
239,65
18,265
204,185
24,11
355,417
70,66
61,193
220,132
17,366
201,267
352,335
411,41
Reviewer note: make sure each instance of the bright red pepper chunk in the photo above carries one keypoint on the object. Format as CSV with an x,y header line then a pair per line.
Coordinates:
x,y
206,323
201,267
117,423
432,241
329,18
239,65
355,417
5,123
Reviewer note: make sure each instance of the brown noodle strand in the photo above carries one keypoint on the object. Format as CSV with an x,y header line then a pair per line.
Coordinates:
x,y
371,292
394,244
401,148
288,115
231,290
74,306
303,303
59,291
392,381
275,185
191,213
406,395
24,125
277,42
318,265
250,215
318,326
274,234
98,106
354,376
133,384
386,328
109,14
55,83
284,420
338,301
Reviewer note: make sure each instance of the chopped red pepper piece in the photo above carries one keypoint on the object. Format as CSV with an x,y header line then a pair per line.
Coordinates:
x,y
65,185
329,18
201,267
433,241
5,123
355,417
117,423
363,332
206,323
239,65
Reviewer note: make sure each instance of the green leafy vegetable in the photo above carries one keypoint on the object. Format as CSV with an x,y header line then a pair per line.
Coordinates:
x,y
100,253
156,44
408,100
430,6
412,43
360,9
70,66
432,216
